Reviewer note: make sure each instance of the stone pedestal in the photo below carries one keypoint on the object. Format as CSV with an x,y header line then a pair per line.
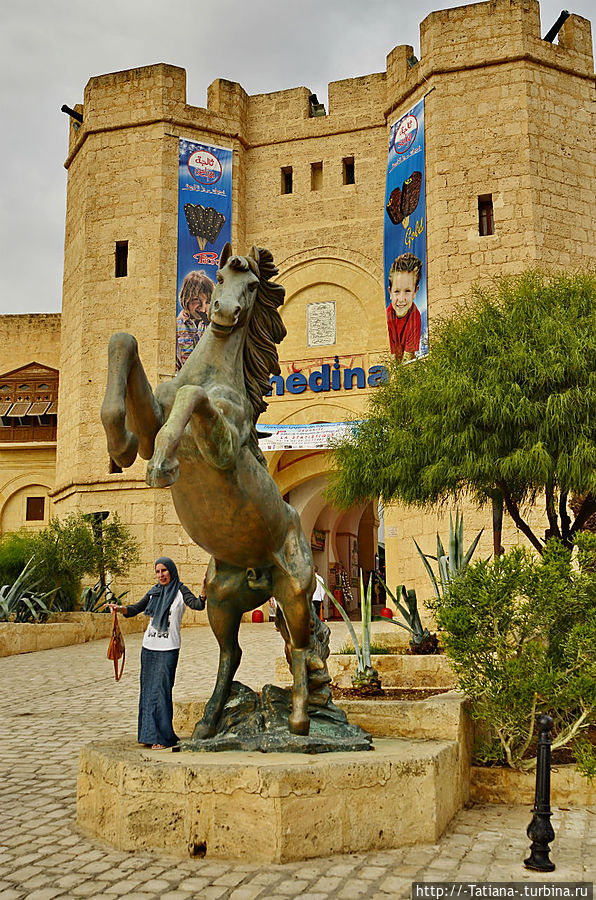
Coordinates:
x,y
278,807
272,808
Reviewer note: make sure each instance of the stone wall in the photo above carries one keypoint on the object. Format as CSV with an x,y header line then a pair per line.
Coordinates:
x,y
33,337
73,628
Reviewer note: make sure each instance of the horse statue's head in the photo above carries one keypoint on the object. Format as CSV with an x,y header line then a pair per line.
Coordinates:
x,y
235,293
246,296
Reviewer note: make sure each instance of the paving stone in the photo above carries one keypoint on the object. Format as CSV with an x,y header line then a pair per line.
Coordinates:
x,y
193,884
230,879
246,892
291,888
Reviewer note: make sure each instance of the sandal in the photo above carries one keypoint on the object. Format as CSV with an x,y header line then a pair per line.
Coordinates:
x,y
158,747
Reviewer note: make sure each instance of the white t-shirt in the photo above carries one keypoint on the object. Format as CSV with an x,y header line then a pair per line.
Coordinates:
x,y
169,639
319,594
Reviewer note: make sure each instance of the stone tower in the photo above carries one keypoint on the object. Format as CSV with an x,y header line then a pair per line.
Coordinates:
x,y
509,124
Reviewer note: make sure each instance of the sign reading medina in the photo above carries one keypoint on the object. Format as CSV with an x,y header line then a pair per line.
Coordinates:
x,y
404,238
204,227
328,378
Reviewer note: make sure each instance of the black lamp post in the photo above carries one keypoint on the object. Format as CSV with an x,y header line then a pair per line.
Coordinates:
x,y
540,831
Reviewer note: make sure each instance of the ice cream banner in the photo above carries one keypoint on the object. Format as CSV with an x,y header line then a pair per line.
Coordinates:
x,y
404,238
204,227
302,437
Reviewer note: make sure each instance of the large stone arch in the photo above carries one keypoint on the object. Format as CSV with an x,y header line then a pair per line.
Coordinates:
x,y
350,278
307,414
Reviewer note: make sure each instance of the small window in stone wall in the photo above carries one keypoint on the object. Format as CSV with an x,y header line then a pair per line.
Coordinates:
x,y
349,173
121,270
486,219
35,509
286,180
316,176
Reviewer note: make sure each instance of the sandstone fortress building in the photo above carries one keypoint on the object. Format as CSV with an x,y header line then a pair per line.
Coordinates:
x,y
509,135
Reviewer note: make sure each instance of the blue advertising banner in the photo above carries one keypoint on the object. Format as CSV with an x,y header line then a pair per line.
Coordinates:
x,y
404,238
204,227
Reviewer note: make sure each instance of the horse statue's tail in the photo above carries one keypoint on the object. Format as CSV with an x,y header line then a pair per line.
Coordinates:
x,y
319,693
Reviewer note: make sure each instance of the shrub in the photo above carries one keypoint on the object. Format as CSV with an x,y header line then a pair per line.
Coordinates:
x,y
521,634
66,551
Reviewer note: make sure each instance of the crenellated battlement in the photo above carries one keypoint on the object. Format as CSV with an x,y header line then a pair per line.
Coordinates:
x,y
501,30
451,40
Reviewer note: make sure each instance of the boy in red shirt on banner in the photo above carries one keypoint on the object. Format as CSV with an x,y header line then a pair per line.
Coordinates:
x,y
403,316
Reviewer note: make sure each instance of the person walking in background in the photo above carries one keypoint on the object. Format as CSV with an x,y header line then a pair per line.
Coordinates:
x,y
272,608
164,604
319,594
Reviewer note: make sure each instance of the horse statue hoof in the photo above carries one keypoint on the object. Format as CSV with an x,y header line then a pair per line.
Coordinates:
x,y
299,725
202,731
126,454
162,474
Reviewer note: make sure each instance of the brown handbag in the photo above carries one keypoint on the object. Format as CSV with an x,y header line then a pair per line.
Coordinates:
x,y
116,648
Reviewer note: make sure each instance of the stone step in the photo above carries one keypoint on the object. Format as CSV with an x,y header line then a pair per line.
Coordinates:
x,y
442,717
395,670
276,807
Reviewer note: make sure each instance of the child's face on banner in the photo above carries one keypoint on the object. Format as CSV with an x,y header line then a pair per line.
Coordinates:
x,y
402,290
198,305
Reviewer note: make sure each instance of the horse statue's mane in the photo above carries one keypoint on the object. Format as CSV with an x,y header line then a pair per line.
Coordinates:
x,y
265,330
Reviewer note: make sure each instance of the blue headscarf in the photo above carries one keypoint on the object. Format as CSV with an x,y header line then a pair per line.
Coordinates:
x,y
162,596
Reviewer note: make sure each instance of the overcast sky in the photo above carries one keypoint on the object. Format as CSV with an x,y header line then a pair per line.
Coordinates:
x,y
49,50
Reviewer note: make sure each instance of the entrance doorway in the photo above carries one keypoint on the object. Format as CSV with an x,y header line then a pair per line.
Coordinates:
x,y
342,542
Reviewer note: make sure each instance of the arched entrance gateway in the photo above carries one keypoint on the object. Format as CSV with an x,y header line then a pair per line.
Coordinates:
x,y
330,362
342,542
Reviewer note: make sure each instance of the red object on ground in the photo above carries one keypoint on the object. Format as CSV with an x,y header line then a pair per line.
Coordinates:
x,y
257,615
386,613
339,596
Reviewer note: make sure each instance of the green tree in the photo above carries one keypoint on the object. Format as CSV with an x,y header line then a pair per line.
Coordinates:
x,y
504,406
68,550
115,548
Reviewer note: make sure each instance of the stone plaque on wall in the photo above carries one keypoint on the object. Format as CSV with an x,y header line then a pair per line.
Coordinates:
x,y
320,324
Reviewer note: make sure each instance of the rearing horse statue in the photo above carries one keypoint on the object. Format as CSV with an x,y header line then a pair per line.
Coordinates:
x,y
198,433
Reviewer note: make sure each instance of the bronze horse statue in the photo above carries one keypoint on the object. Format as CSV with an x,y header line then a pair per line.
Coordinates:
x,y
198,432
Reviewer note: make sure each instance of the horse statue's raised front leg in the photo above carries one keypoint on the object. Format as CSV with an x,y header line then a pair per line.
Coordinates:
x,y
130,413
216,436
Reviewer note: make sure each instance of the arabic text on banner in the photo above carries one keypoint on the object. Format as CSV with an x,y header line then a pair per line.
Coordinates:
x,y
204,227
404,238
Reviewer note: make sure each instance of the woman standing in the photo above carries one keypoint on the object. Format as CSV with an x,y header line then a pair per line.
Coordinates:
x,y
164,604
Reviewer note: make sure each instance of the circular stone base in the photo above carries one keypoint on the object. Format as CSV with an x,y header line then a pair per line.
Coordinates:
x,y
274,808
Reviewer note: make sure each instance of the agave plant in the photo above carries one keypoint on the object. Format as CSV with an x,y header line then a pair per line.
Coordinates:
x,y
366,677
19,602
407,604
451,564
93,599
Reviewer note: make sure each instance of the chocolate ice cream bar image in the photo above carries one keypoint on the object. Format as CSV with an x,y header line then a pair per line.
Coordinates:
x,y
394,206
204,223
410,194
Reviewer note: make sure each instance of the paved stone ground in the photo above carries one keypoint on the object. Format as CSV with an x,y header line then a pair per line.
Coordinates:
x,y
53,701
